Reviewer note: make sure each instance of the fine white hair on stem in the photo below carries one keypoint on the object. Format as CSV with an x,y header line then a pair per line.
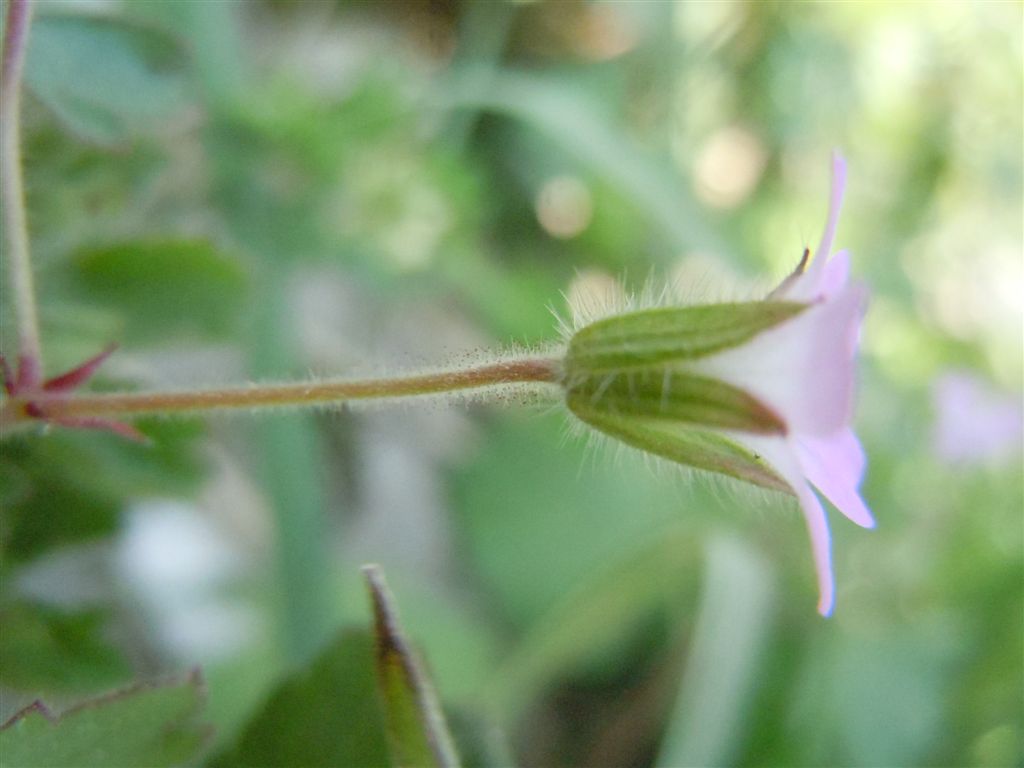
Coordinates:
x,y
520,394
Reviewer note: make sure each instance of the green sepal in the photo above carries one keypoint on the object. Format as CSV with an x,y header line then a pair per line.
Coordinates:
x,y
667,394
692,447
670,334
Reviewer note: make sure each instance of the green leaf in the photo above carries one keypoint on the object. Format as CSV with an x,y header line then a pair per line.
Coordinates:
x,y
577,123
105,79
151,725
595,618
42,506
879,678
45,649
69,486
459,638
538,515
323,715
723,666
164,288
417,731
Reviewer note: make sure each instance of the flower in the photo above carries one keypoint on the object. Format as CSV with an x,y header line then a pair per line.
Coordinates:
x,y
760,391
975,423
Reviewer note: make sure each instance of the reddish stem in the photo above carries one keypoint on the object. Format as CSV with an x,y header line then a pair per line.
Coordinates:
x,y
12,194
59,407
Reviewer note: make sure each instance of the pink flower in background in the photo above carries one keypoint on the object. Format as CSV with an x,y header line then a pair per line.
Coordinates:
x,y
974,423
804,370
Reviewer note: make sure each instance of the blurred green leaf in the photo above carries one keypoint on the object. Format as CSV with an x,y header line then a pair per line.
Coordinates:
x,y
538,515
881,678
292,466
324,715
417,732
49,650
42,507
733,625
150,725
107,80
165,289
482,743
238,686
576,122
69,486
606,609
455,634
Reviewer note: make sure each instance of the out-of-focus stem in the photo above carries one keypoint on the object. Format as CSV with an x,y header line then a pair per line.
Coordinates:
x,y
12,193
58,407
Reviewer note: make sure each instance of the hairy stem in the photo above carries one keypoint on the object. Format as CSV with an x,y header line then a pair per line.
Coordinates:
x,y
57,407
12,193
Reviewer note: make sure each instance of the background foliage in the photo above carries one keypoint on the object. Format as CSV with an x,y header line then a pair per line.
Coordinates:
x,y
251,191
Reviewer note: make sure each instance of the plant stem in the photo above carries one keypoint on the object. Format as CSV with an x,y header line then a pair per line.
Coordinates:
x,y
59,407
12,192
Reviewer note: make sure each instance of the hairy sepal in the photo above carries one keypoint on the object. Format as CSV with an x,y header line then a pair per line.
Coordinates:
x,y
691,447
671,396
670,334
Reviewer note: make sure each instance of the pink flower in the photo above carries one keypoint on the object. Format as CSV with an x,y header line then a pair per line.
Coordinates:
x,y
975,423
803,369
759,391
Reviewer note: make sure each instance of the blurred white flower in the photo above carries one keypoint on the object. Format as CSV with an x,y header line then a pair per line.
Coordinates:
x,y
178,565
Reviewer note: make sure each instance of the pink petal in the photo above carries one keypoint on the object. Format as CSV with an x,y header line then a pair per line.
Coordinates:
x,y
777,453
835,205
821,547
836,273
824,282
835,465
975,423
821,278
802,369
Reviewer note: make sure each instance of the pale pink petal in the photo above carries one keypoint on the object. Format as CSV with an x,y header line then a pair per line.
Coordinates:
x,y
821,546
804,368
835,205
823,284
975,423
837,271
818,280
780,456
835,465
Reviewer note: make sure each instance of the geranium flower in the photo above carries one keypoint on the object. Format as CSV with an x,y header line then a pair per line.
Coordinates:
x,y
760,391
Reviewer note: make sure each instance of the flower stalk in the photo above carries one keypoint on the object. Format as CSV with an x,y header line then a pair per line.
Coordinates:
x,y
12,194
78,409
